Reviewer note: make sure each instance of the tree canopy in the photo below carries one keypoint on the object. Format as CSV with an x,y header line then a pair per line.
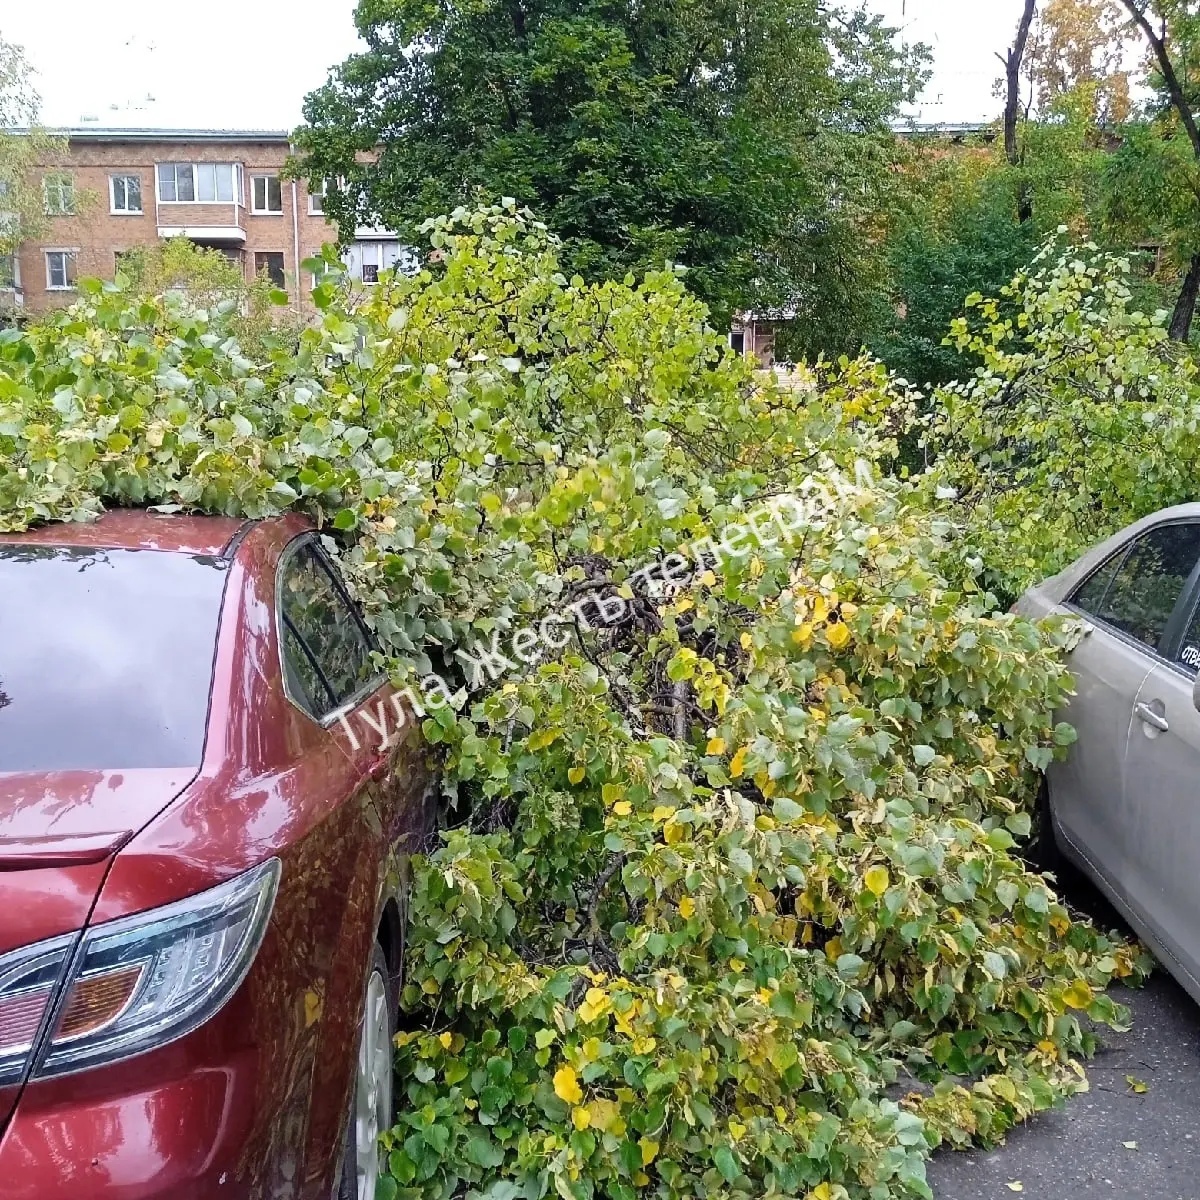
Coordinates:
x,y
746,142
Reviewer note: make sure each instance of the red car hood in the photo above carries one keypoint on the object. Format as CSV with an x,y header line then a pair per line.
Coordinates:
x,y
58,832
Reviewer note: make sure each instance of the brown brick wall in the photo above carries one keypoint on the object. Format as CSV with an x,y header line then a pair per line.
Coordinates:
x,y
98,235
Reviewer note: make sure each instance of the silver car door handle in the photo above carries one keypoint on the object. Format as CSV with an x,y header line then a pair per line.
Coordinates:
x,y
1148,716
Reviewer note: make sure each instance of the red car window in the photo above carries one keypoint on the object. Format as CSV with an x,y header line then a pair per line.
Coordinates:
x,y
106,657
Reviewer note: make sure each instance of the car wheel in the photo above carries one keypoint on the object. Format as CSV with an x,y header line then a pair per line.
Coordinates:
x,y
371,1100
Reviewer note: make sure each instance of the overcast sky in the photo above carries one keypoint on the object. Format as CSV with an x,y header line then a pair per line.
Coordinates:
x,y
246,64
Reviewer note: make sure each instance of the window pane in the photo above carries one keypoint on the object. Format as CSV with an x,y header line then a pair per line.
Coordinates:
x,y
206,182
56,272
1091,593
133,193
166,181
185,177
314,608
1150,582
106,657
274,194
258,186
271,263
224,181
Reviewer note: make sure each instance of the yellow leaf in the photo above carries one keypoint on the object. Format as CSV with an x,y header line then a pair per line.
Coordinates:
x,y
838,635
821,1192
1015,1186
662,813
576,774
833,949
803,634
687,908
580,1118
430,987
715,746
649,1149
746,640
612,792
1137,1086
736,966
606,1115
736,1129
566,1086
447,1040
640,1179
877,880
622,808
1078,995
738,763
673,832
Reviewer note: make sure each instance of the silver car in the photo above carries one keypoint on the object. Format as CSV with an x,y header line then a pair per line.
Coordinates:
x,y
1125,805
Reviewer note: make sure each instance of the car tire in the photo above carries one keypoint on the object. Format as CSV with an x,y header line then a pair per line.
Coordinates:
x,y
1043,852
371,1100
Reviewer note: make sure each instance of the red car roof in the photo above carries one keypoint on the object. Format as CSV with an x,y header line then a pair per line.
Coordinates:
x,y
136,529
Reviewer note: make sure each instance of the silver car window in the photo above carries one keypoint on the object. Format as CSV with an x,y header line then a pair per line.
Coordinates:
x,y
1145,590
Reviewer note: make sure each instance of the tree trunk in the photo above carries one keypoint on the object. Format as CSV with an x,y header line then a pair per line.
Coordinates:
x,y
1185,309
1012,105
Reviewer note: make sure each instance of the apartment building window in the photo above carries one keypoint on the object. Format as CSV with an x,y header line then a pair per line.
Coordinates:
x,y
199,183
316,200
266,194
367,259
9,277
270,264
59,191
125,192
60,270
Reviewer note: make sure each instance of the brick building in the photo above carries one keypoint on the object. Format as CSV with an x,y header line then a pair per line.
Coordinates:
x,y
115,189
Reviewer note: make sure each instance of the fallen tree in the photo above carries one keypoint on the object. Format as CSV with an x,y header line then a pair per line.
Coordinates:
x,y
737,751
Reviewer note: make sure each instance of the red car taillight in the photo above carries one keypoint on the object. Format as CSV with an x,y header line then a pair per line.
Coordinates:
x,y
128,986
29,981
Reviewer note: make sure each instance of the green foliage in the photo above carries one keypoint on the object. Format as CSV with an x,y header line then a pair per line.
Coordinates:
x,y
725,876
208,278
1080,418
741,140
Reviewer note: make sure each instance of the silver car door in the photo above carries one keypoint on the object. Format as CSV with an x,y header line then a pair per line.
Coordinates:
x,y
1128,604
1162,808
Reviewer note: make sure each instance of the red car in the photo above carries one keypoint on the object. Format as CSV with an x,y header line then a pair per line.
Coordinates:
x,y
207,798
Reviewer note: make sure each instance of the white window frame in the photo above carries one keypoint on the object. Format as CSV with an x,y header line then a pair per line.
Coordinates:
x,y
64,185
266,177
194,168
69,252
316,201
112,196
13,261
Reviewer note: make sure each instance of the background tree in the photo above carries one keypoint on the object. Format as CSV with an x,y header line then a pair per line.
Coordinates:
x,y
23,145
734,139
1013,62
1172,32
1078,46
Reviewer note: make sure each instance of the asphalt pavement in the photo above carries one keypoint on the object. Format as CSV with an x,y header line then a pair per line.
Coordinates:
x,y
1115,1140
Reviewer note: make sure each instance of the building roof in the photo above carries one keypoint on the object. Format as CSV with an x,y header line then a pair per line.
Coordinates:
x,y
97,133
944,129
135,529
